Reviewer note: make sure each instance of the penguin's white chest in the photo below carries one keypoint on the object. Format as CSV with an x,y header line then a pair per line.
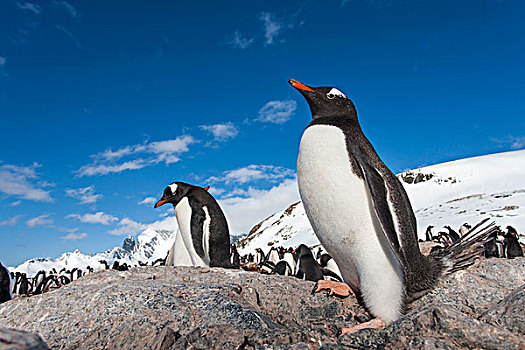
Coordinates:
x,y
341,212
183,212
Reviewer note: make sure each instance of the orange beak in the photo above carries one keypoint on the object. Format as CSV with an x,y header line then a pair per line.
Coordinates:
x,y
300,86
159,203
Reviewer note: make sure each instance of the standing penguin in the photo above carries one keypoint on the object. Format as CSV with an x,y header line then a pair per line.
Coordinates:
x,y
202,224
452,234
6,288
464,229
361,213
428,233
511,245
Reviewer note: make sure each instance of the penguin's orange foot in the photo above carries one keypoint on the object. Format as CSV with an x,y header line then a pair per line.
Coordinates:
x,y
336,288
376,323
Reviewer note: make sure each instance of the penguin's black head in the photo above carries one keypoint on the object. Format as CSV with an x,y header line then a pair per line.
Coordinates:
x,y
173,193
325,101
303,250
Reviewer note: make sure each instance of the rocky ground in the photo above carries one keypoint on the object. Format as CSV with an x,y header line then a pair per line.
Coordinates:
x,y
212,308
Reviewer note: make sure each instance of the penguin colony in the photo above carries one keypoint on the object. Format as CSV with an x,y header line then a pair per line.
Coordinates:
x,y
357,207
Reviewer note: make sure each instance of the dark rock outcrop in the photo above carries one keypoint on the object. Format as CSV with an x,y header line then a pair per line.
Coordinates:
x,y
203,308
11,339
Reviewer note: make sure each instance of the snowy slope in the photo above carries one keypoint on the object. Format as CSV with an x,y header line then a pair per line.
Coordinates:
x,y
451,193
152,244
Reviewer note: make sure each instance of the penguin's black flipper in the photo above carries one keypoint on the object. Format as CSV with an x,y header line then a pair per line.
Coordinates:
x,y
378,193
327,272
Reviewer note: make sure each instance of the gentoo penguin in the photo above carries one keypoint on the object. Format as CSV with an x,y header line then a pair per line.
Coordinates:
x,y
202,224
259,256
6,289
511,245
273,256
491,247
309,269
361,213
428,233
464,229
235,258
452,234
283,268
327,262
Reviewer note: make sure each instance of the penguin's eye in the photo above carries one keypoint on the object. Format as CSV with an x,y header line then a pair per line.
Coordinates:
x,y
330,96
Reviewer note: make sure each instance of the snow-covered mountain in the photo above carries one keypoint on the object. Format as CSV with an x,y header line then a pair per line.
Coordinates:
x,y
451,193
150,245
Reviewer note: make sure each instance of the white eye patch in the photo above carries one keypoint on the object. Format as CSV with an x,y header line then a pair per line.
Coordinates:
x,y
334,92
173,188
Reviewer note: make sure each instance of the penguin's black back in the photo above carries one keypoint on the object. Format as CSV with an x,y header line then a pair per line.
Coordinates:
x,y
491,248
219,239
512,246
309,268
5,285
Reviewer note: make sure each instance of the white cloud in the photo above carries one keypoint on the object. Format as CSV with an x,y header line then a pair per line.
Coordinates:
x,y
277,112
85,195
3,61
15,204
75,236
148,201
22,182
253,173
97,218
272,27
151,153
104,169
240,42
515,142
30,7
127,226
70,35
42,220
221,132
11,221
69,8
246,211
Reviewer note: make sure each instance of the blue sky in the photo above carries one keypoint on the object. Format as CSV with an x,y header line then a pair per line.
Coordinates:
x,y
102,104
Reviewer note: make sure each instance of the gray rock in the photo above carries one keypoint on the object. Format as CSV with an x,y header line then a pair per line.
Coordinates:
x,y
206,308
12,339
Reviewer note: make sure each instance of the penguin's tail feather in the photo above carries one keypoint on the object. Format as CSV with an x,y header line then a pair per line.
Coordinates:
x,y
462,253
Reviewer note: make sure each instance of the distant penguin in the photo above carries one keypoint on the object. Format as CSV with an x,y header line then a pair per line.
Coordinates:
x,y
452,234
464,229
202,224
283,268
428,234
235,257
23,285
273,256
361,213
289,258
103,265
511,245
327,262
309,269
6,287
259,256
491,247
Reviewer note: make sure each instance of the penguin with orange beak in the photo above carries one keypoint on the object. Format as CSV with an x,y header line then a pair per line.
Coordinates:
x,y
203,238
